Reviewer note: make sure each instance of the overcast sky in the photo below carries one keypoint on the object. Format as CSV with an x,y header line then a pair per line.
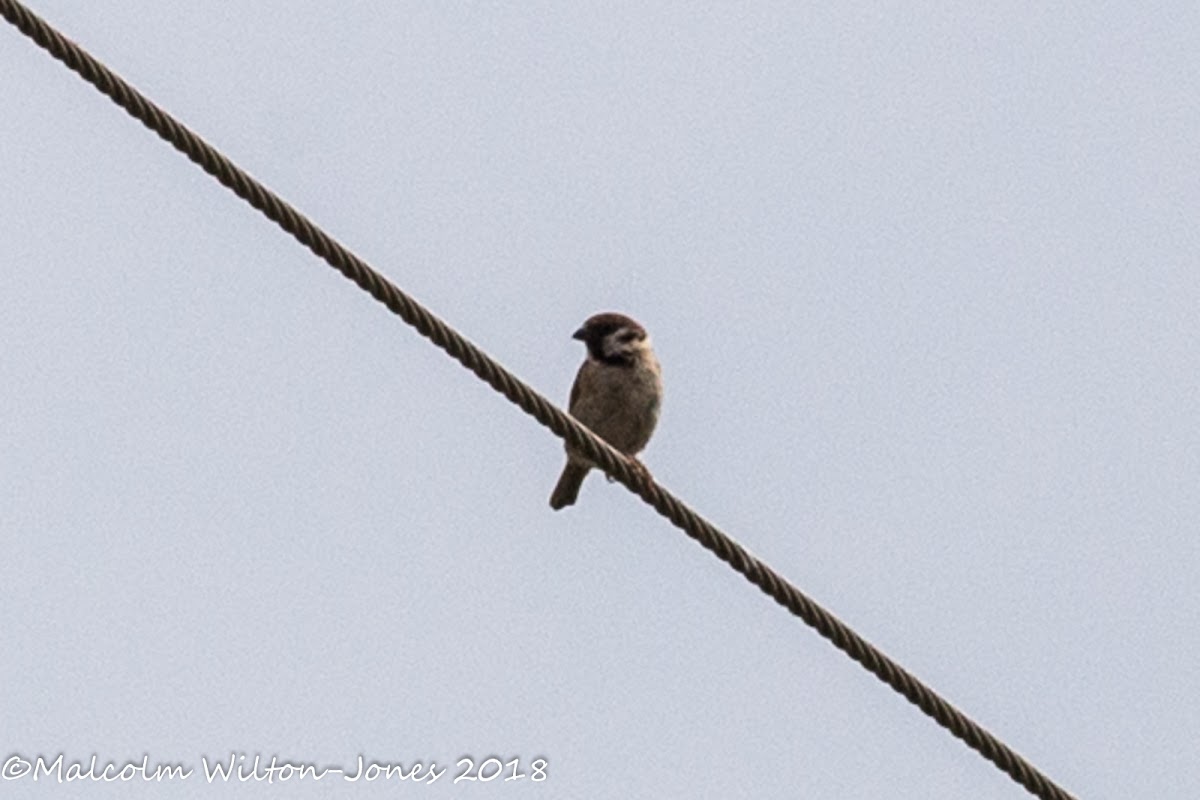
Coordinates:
x,y
924,281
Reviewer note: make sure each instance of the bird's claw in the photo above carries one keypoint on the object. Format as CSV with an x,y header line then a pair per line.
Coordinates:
x,y
638,467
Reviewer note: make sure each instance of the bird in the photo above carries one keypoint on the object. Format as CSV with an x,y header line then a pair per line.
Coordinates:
x,y
617,394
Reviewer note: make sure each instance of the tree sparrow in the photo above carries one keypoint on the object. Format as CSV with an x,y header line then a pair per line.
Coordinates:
x,y
617,394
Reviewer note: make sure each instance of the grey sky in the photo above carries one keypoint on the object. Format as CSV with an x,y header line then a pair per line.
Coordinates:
x,y
923,279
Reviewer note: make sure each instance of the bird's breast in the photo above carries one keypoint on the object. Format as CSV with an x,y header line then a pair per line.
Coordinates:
x,y
619,403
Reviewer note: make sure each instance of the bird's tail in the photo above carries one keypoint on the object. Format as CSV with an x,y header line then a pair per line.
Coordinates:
x,y
569,482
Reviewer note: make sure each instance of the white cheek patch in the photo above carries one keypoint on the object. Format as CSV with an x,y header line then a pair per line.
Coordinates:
x,y
615,346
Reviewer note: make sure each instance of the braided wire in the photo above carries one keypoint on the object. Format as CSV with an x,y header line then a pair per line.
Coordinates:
x,y
562,425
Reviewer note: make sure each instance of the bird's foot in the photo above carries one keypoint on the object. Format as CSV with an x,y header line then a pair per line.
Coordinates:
x,y
638,467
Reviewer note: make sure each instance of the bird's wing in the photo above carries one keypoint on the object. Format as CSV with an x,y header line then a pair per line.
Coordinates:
x,y
581,378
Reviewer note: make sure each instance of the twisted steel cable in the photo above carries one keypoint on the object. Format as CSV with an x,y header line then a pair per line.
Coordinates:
x,y
500,379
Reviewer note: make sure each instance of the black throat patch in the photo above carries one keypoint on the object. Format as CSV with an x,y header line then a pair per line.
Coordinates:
x,y
596,350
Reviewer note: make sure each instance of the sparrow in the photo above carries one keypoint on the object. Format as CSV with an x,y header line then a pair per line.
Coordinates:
x,y
617,394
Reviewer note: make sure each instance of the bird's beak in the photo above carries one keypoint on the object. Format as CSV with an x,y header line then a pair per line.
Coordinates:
x,y
580,334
